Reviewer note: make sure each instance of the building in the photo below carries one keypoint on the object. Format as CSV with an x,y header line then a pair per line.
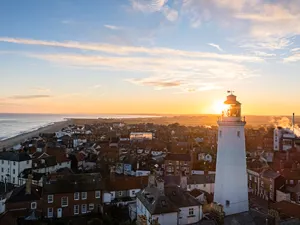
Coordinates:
x,y
122,190
140,136
12,164
24,201
231,189
284,139
175,164
167,205
72,195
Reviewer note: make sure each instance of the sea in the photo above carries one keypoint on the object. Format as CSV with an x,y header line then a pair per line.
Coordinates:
x,y
14,124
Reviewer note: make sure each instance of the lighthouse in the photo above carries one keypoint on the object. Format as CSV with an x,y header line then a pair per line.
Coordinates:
x,y
231,187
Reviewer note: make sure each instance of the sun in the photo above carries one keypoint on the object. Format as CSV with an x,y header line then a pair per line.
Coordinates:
x,y
219,107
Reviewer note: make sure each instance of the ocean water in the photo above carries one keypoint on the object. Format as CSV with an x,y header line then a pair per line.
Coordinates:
x,y
15,124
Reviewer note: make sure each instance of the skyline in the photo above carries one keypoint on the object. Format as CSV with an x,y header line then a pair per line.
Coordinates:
x,y
149,57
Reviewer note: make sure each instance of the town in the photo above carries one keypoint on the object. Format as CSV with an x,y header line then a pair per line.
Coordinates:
x,y
117,173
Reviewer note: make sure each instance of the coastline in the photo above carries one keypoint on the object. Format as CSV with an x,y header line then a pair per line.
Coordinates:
x,y
54,127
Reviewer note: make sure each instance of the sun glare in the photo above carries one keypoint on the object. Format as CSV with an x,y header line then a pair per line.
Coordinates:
x,y
219,107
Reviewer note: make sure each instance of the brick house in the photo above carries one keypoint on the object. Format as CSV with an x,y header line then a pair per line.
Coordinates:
x,y
175,164
22,202
72,195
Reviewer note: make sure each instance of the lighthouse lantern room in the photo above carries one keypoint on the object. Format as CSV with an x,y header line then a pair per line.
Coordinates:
x,y
231,187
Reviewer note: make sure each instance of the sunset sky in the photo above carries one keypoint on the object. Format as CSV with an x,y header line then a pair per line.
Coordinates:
x,y
149,56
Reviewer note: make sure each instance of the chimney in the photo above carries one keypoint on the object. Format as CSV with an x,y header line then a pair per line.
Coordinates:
x,y
160,184
294,166
112,173
151,180
183,181
293,123
28,184
281,164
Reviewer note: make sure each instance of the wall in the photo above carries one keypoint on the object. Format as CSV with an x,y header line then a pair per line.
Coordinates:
x,y
185,218
281,196
142,173
204,187
13,168
63,165
69,210
166,219
2,205
231,182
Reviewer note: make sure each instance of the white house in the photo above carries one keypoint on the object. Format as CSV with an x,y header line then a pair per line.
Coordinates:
x,y
12,164
202,182
167,205
123,190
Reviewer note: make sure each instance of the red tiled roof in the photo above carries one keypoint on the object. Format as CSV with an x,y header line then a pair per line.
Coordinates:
x,y
126,183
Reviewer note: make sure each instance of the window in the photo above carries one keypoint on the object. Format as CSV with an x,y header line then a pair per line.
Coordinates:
x,y
76,209
250,177
50,213
14,163
83,195
91,207
2,170
14,171
97,194
2,177
76,196
83,208
8,170
227,203
14,180
120,193
50,198
133,192
64,201
191,211
33,205
239,133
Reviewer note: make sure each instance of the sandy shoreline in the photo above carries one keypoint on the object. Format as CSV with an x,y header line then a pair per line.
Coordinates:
x,y
10,142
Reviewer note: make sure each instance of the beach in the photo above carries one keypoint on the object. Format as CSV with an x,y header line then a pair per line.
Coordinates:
x,y
10,142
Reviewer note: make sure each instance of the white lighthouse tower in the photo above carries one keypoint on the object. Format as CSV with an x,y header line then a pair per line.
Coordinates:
x,y
231,187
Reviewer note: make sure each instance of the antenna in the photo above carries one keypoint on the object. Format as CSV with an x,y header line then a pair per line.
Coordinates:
x,y
293,123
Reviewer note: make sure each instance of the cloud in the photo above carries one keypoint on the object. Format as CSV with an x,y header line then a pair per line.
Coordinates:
x,y
151,6
292,58
41,89
295,50
264,54
17,97
126,50
148,6
269,24
112,27
267,43
96,86
216,46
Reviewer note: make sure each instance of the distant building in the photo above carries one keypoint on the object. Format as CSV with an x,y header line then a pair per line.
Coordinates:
x,y
139,136
175,164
